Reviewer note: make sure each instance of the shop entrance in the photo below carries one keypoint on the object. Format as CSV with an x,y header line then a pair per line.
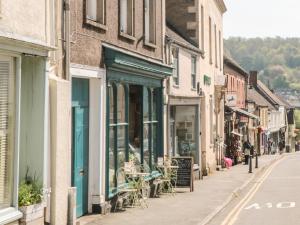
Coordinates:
x,y
183,131
80,142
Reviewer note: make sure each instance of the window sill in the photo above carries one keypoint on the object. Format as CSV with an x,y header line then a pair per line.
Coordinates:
x,y
95,24
176,86
193,89
127,36
150,45
9,215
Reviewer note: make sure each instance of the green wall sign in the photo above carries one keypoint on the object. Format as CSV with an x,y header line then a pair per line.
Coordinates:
x,y
207,80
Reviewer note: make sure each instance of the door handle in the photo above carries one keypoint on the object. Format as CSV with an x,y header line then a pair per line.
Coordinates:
x,y
81,172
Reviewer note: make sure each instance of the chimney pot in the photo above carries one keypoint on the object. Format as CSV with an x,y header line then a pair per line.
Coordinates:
x,y
253,78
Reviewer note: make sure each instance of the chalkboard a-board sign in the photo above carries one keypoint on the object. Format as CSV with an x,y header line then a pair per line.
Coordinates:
x,y
185,172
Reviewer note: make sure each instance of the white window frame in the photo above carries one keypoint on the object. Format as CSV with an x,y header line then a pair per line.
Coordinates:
x,y
124,21
11,214
193,57
210,40
175,55
147,27
93,8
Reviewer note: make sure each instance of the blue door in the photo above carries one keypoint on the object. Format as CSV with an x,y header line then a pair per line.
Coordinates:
x,y
80,142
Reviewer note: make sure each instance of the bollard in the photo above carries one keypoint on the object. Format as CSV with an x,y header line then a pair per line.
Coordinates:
x,y
250,163
256,161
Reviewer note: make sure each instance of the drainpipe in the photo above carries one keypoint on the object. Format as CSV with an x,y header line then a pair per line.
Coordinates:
x,y
67,38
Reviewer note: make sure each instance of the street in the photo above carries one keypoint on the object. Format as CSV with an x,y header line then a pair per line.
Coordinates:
x,y
273,199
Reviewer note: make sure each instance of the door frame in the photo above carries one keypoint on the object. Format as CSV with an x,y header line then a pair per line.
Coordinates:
x,y
97,124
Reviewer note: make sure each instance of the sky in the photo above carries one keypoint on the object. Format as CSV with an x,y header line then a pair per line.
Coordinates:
x,y
262,18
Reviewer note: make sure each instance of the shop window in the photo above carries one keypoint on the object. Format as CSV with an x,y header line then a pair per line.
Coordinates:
x,y
193,71
175,66
150,21
184,138
96,11
133,129
7,115
127,17
117,149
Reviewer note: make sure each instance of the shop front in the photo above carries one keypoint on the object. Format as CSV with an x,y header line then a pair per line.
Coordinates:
x,y
184,128
134,114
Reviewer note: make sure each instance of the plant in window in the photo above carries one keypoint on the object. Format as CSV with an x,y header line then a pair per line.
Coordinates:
x,y
31,199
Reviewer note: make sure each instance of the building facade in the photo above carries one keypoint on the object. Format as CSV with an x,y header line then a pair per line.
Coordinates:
x,y
240,121
277,118
202,22
183,97
118,71
25,46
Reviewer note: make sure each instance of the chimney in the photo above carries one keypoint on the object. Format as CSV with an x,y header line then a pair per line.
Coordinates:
x,y
253,78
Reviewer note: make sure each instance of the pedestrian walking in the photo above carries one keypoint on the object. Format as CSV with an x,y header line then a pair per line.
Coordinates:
x,y
246,149
281,146
270,143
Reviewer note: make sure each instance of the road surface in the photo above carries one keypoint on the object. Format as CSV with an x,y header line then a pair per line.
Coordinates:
x,y
272,199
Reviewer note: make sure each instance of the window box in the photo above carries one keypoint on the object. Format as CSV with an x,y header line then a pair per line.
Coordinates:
x,y
33,214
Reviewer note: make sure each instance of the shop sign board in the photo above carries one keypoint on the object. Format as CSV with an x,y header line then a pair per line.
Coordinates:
x,y
185,177
231,99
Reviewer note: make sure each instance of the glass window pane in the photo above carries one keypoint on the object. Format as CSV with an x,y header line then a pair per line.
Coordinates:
x,y
121,152
111,103
193,65
185,122
154,104
121,104
111,155
146,142
154,143
7,124
146,103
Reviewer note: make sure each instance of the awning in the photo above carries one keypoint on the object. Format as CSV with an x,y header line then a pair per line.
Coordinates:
x,y
237,134
245,113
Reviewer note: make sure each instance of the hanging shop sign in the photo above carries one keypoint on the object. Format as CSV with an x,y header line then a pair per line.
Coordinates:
x,y
231,99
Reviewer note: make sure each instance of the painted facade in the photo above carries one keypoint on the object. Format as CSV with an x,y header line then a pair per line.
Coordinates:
x,y
277,116
24,49
183,97
201,21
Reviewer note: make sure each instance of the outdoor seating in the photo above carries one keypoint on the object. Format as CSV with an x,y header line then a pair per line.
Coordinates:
x,y
135,189
168,179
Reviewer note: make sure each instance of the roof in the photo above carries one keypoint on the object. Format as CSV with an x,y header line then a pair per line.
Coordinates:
x,y
176,36
272,98
283,100
254,96
234,65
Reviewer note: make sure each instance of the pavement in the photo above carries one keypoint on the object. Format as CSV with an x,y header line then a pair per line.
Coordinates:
x,y
273,199
211,195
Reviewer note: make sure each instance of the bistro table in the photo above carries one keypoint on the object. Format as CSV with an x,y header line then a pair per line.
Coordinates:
x,y
139,182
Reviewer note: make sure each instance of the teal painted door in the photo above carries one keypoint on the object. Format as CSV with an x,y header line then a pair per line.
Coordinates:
x,y
80,142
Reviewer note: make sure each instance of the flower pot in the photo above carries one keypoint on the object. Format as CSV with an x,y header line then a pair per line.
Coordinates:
x,y
32,214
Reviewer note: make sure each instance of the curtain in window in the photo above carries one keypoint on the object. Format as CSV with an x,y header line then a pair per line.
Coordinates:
x,y
6,130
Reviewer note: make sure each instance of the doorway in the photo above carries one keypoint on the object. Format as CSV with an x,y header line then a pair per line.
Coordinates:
x,y
80,142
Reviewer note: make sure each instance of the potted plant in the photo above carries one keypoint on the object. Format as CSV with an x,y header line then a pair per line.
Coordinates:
x,y
31,202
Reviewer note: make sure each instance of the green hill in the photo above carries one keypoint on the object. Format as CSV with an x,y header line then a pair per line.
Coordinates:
x,y
276,59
